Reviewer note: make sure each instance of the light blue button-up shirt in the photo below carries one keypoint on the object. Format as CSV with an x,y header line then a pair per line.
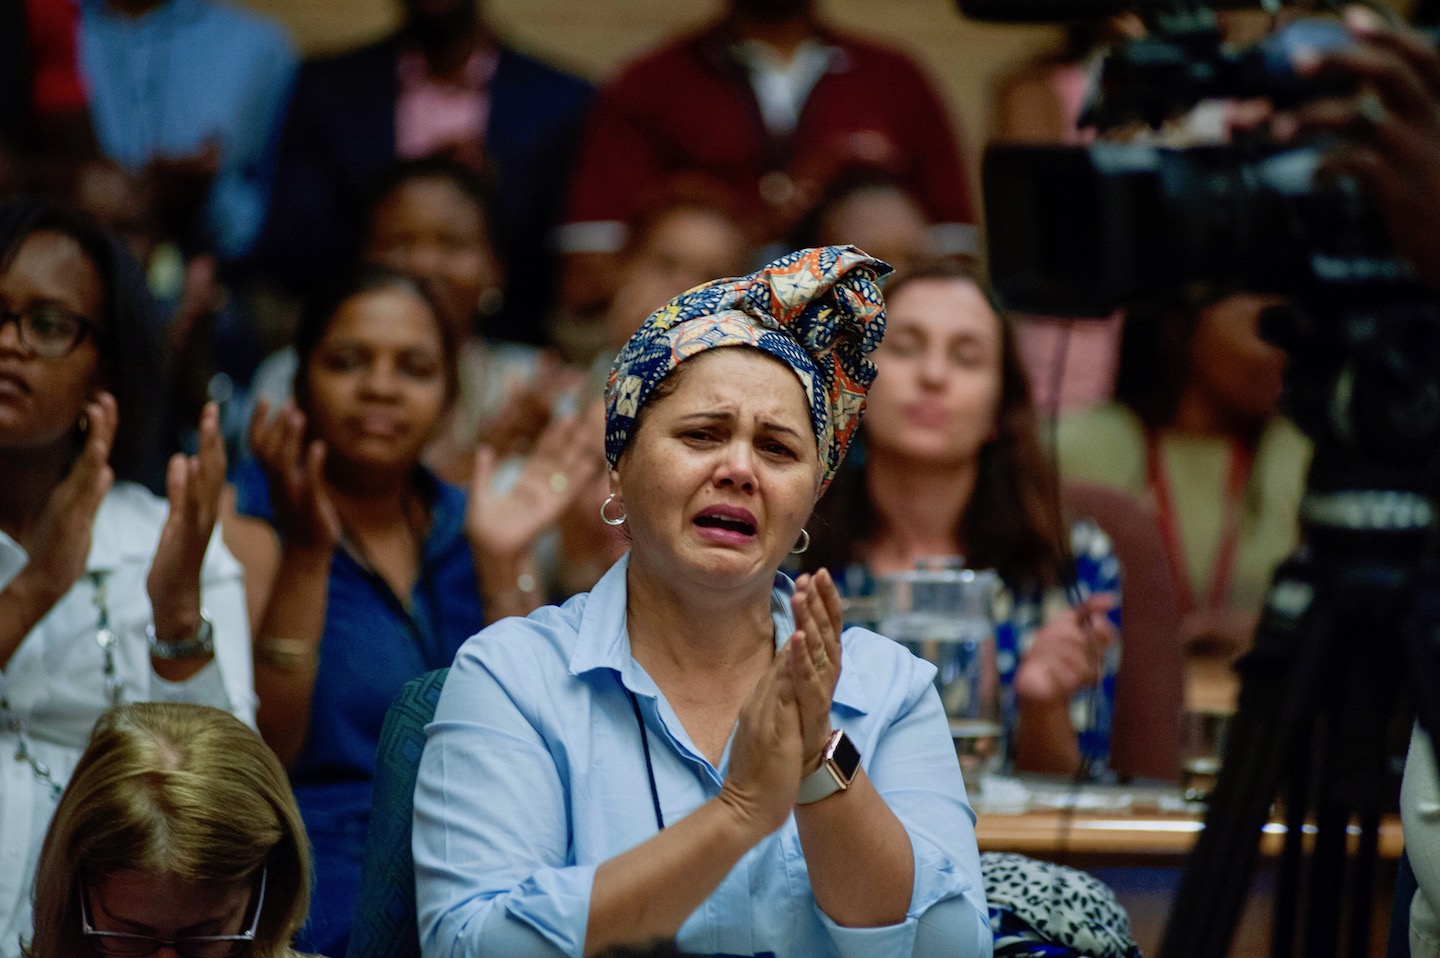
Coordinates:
x,y
534,773
185,73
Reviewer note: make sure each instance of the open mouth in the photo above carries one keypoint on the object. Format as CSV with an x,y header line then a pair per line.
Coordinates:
x,y
734,521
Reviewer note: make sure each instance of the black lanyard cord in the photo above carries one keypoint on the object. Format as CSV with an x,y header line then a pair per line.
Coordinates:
x,y
649,768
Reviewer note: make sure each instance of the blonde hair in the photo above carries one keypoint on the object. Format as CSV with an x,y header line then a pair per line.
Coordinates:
x,y
186,790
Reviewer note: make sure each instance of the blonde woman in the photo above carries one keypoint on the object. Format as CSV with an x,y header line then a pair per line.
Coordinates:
x,y
177,831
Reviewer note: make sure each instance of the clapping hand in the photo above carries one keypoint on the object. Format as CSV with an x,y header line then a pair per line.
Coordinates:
x,y
193,485
565,461
785,722
304,514
60,544
768,752
1068,652
814,659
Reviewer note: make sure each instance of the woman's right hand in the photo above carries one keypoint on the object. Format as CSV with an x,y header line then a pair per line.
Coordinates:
x,y
1067,653
766,757
304,514
60,544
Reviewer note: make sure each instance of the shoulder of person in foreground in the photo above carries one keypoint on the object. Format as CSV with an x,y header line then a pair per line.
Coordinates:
x,y
531,651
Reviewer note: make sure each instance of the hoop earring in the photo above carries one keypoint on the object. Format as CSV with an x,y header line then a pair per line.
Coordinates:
x,y
605,517
803,544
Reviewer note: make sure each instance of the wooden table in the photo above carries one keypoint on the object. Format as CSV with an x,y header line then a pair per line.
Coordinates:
x,y
1136,840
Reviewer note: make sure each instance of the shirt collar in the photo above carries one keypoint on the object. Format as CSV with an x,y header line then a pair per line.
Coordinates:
x,y
479,70
604,642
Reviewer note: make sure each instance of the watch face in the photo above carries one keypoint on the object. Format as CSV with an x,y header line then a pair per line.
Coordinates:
x,y
846,757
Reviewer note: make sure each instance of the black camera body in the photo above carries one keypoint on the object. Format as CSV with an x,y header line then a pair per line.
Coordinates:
x,y
1084,231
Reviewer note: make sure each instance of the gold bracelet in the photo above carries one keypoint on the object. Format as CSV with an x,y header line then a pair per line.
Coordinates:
x,y
287,655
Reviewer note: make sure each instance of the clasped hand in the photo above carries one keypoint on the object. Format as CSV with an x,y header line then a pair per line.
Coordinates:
x,y
785,722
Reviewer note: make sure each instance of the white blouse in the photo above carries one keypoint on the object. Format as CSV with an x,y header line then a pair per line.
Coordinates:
x,y
56,686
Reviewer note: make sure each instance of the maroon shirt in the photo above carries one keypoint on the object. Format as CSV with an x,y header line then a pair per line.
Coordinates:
x,y
689,108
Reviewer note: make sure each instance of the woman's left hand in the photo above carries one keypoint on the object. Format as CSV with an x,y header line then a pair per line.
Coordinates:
x,y
815,665
1068,652
193,485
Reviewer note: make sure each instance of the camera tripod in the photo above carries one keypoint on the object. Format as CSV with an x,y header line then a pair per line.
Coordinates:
x,y
1351,624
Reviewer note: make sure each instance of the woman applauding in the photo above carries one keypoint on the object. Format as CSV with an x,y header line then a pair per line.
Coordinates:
x,y
106,595
693,749
366,569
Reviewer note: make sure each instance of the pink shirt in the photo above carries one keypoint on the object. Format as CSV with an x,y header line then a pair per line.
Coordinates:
x,y
436,115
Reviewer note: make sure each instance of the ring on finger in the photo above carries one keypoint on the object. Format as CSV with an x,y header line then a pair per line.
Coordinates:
x,y
822,660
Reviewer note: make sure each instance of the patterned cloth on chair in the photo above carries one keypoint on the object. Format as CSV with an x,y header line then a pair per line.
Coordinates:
x,y
1043,910
385,911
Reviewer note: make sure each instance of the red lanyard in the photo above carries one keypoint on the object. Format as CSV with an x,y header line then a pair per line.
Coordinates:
x,y
1222,571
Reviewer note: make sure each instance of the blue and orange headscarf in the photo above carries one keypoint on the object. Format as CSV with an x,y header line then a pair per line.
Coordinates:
x,y
819,311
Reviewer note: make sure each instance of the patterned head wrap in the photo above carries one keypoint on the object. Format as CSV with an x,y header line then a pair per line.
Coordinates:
x,y
819,311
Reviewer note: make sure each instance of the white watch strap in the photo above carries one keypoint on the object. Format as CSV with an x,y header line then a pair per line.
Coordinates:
x,y
819,784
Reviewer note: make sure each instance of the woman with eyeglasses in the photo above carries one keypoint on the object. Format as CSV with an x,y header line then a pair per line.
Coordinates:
x,y
178,831
106,595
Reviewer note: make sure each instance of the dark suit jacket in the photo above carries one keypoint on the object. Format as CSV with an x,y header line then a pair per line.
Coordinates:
x,y
340,134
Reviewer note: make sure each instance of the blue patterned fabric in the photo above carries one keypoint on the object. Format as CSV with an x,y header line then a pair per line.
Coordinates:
x,y
819,311
385,911
1021,612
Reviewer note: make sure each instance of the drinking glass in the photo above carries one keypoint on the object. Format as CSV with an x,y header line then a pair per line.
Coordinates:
x,y
944,613
1202,743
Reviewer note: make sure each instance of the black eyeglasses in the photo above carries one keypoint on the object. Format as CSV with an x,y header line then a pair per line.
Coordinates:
x,y
200,946
48,329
